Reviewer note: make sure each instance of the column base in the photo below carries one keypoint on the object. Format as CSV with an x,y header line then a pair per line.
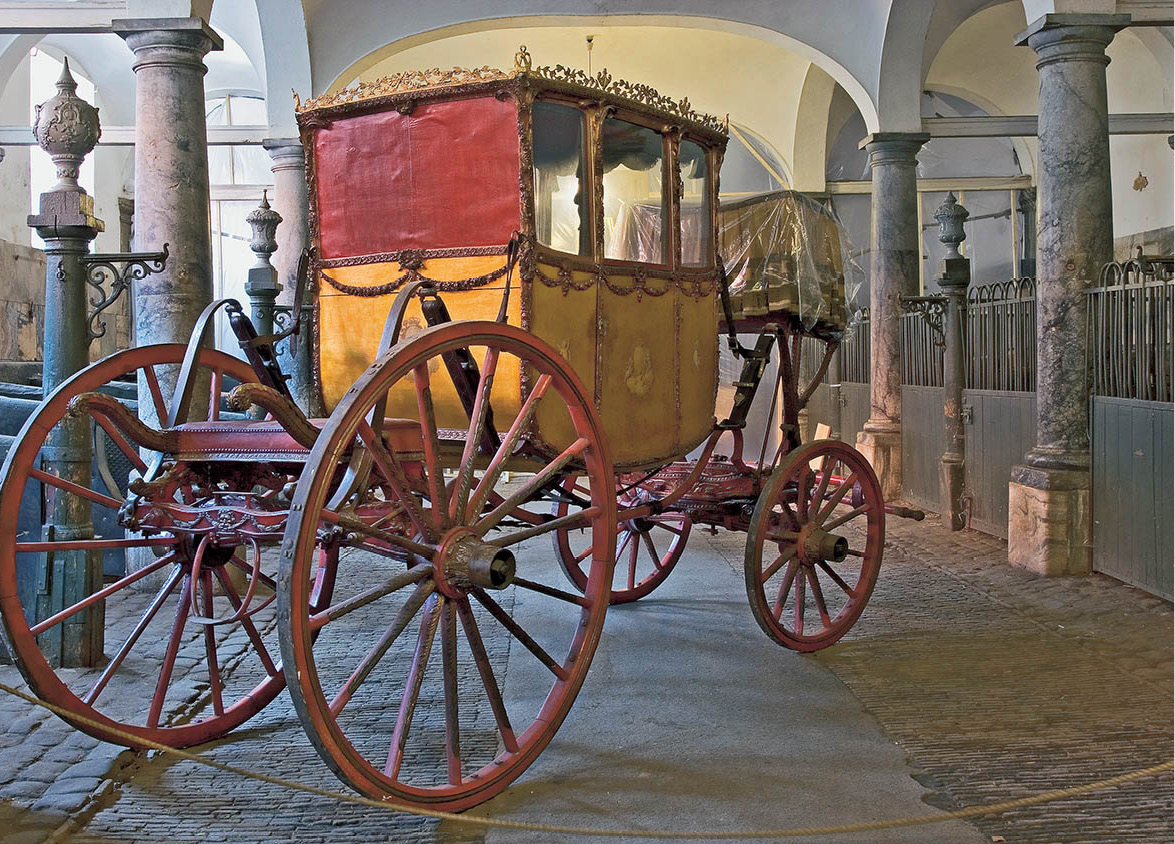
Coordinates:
x,y
1049,521
951,475
883,450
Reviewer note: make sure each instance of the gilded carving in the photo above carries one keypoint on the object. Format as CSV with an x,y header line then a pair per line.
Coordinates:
x,y
638,373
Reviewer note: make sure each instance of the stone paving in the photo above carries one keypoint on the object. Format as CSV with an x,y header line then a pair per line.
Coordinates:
x,y
995,683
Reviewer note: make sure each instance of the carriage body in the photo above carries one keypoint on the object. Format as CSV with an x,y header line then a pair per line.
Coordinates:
x,y
427,176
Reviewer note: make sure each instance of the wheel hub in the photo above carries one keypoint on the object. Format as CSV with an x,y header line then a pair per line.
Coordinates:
x,y
463,561
818,544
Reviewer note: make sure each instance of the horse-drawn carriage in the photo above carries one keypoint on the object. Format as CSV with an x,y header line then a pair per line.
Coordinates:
x,y
506,367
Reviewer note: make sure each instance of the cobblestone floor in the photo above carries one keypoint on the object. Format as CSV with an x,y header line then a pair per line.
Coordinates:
x,y
1000,684
995,683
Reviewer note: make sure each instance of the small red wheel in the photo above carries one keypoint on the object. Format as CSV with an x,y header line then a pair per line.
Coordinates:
x,y
168,677
647,548
814,545
394,712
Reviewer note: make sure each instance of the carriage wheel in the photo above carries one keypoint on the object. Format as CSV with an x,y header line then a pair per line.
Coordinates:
x,y
164,676
814,545
405,693
647,549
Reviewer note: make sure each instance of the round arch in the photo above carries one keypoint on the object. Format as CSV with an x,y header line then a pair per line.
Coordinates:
x,y
834,69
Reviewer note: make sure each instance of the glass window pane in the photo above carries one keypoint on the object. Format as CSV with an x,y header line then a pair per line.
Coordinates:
x,y
696,227
251,165
560,204
635,207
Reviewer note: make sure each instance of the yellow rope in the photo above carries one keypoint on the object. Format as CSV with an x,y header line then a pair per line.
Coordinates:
x,y
477,820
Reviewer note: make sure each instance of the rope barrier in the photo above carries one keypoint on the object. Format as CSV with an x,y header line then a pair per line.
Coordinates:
x,y
478,820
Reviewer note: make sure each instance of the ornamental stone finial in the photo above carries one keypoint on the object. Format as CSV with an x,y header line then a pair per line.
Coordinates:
x,y
263,220
950,216
67,127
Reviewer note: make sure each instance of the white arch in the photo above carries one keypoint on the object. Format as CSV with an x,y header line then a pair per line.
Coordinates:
x,y
809,152
813,41
899,72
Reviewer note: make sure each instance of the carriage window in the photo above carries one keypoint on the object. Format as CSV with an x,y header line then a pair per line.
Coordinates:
x,y
560,204
696,227
635,207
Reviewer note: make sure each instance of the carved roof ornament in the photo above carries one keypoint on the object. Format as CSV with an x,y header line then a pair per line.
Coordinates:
x,y
67,127
601,81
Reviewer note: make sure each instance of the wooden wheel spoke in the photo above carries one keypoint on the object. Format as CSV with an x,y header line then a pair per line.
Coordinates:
x,y
432,447
488,681
251,631
449,676
101,594
262,577
543,589
393,474
798,619
424,640
803,485
373,656
156,393
568,522
836,496
169,655
116,437
822,487
392,584
490,479
216,685
647,538
837,579
156,604
777,565
847,517
676,531
818,596
503,617
633,553
527,490
785,587
386,536
473,437
75,489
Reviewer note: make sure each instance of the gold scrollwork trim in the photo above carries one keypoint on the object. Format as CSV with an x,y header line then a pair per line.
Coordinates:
x,y
602,82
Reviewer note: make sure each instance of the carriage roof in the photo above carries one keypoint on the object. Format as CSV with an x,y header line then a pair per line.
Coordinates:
x,y
407,87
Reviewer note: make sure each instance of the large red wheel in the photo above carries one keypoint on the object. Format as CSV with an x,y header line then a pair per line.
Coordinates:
x,y
814,545
647,548
405,693
159,672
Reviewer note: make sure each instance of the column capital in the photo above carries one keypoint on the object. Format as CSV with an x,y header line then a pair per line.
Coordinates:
x,y
893,147
1071,37
287,153
168,41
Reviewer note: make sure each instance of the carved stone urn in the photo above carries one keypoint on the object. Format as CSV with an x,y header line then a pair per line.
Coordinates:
x,y
951,216
67,127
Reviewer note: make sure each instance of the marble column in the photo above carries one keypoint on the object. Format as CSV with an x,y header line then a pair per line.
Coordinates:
x,y
171,172
896,252
1049,494
293,235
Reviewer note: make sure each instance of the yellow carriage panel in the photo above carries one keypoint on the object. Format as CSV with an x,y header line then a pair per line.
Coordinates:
x,y
566,319
638,382
697,362
347,309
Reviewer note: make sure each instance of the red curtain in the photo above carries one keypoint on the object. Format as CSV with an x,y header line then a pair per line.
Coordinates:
x,y
445,175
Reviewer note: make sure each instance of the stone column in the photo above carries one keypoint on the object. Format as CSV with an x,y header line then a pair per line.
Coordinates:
x,y
67,128
171,173
896,252
954,277
1049,496
290,200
